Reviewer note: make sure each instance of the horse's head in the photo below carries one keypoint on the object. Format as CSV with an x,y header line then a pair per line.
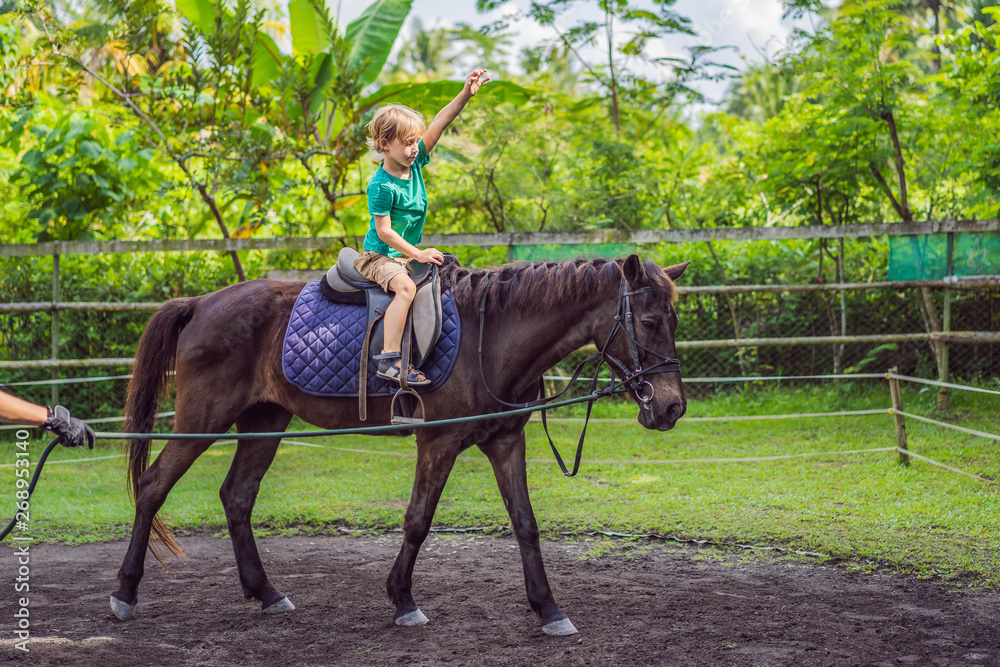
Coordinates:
x,y
639,344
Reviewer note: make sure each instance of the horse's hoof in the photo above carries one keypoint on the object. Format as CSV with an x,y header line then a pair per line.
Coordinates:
x,y
559,628
284,604
121,609
413,618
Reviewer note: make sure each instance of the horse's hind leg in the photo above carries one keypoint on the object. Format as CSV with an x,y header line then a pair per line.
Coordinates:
x,y
239,493
154,485
506,454
435,458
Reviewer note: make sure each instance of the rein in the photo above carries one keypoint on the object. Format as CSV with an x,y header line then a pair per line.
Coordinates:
x,y
635,380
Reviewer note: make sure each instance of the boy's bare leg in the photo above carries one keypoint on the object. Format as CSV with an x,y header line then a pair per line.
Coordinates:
x,y
395,315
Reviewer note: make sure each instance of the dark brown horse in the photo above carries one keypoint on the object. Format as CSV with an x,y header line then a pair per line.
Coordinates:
x,y
226,349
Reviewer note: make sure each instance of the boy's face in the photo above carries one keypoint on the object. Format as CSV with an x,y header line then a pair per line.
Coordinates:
x,y
400,152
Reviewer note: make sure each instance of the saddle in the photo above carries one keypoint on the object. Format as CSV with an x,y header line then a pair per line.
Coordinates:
x,y
344,284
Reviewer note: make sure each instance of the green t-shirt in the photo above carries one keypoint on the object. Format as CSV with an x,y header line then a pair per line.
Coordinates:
x,y
403,200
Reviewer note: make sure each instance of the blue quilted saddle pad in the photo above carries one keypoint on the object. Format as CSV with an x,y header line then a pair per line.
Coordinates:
x,y
321,354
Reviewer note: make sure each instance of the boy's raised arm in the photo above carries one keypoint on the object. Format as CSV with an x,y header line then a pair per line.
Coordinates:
x,y
450,112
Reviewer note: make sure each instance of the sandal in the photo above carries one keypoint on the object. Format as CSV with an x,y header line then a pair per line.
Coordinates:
x,y
389,369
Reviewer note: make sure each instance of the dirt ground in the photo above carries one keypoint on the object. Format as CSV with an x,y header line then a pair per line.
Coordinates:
x,y
649,604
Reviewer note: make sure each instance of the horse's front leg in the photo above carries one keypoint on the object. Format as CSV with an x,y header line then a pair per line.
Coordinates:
x,y
435,459
506,454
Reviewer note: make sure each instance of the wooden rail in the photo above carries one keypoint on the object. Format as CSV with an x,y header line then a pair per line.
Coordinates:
x,y
96,306
877,339
513,238
65,363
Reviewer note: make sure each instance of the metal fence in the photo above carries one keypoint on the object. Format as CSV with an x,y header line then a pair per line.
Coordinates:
x,y
843,328
726,330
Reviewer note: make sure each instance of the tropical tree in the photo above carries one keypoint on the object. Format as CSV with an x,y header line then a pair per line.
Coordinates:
x,y
550,66
970,83
425,56
624,38
759,92
242,125
76,173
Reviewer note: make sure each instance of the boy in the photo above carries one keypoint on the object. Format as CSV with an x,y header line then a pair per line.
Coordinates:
x,y
397,201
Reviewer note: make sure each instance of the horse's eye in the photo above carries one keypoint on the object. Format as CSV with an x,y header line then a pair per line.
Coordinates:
x,y
650,325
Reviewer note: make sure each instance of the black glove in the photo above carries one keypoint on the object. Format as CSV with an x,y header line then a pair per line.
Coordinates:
x,y
72,430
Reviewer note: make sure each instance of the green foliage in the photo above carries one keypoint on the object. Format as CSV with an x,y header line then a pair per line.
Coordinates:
x,y
9,48
438,93
865,119
372,35
201,13
249,138
310,33
73,170
971,82
519,181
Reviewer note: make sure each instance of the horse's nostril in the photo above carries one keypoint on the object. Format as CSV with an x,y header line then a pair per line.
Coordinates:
x,y
675,410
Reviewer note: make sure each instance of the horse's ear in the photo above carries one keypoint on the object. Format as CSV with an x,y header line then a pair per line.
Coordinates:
x,y
677,270
632,269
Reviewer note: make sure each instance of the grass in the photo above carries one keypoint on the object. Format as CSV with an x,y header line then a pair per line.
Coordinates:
x,y
861,509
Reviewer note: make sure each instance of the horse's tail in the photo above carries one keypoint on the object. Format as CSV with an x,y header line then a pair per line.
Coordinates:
x,y
154,359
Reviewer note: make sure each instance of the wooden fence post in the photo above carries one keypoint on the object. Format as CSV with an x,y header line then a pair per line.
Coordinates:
x,y
897,407
54,394
943,393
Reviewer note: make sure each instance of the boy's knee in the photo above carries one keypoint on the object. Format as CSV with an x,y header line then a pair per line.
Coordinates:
x,y
403,287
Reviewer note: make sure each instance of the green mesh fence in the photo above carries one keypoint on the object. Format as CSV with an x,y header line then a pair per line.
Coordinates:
x,y
558,253
926,256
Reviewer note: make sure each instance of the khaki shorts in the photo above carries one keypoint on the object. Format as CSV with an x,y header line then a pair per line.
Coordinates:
x,y
379,268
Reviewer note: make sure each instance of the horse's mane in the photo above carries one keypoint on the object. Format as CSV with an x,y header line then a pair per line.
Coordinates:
x,y
546,285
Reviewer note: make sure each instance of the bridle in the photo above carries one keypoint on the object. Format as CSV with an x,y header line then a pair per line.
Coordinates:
x,y
626,323
634,379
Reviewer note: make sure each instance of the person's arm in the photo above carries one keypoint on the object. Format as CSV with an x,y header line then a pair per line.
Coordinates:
x,y
444,117
383,227
73,431
14,410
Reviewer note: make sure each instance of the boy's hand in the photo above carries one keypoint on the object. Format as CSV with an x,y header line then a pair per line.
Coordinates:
x,y
430,256
450,112
474,81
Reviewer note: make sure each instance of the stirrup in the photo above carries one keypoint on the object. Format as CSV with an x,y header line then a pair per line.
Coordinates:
x,y
399,420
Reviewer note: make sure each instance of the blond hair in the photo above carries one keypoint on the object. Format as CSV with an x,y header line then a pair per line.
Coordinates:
x,y
394,121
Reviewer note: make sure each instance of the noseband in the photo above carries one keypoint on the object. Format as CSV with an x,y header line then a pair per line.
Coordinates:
x,y
635,380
